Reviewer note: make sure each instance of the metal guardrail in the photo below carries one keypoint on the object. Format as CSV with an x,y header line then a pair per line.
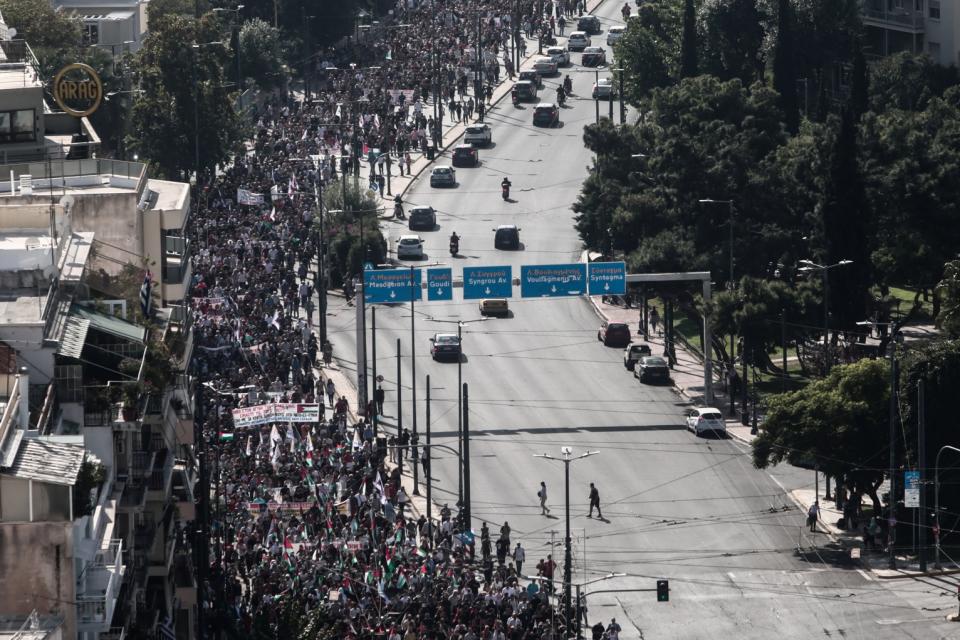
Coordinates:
x,y
903,18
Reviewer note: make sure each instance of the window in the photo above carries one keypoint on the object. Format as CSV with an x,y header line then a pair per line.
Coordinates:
x,y
91,33
17,126
933,48
69,379
934,12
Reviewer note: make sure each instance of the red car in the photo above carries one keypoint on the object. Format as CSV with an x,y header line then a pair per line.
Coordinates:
x,y
614,334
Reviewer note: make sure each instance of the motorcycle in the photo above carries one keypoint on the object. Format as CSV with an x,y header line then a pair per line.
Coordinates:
x,y
561,98
568,85
454,248
516,98
505,190
398,211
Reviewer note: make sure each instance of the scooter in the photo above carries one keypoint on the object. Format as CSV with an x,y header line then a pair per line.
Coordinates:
x,y
516,99
567,85
398,212
454,248
505,190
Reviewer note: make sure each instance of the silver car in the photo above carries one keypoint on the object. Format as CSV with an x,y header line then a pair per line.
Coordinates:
x,y
560,55
443,176
478,134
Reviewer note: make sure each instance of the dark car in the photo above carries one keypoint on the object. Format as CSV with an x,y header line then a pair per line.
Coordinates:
x,y
446,346
593,57
614,334
633,353
464,155
531,76
424,218
590,24
507,236
652,369
545,114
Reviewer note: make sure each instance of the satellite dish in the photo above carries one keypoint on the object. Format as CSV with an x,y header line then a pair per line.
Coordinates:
x,y
67,201
12,31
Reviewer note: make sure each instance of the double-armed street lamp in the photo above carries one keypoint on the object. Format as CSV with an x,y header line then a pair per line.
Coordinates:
x,y
235,22
808,267
566,458
731,285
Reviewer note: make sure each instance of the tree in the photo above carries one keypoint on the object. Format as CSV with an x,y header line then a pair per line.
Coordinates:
x,y
688,45
846,224
785,68
185,99
949,290
838,424
824,32
648,49
54,36
344,220
260,53
860,85
908,81
733,40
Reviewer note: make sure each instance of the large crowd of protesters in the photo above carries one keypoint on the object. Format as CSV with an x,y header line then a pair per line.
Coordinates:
x,y
314,513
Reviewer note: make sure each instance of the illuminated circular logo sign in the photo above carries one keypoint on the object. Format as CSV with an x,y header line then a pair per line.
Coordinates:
x,y
77,89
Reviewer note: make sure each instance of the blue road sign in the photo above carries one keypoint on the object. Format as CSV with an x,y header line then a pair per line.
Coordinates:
x,y
911,489
607,278
368,266
553,280
439,284
391,285
487,282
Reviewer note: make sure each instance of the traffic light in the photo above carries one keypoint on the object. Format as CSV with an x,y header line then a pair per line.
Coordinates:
x,y
663,591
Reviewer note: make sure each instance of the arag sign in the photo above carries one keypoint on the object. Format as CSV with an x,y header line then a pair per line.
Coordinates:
x,y
77,89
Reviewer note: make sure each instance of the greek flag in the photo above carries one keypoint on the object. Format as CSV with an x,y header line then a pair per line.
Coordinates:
x,y
145,294
165,630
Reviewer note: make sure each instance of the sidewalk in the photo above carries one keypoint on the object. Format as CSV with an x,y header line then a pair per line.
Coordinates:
x,y
843,545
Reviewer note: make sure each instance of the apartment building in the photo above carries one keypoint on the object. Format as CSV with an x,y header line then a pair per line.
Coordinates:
x,y
97,469
920,26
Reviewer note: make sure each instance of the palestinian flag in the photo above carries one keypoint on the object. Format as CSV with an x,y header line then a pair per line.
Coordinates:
x,y
226,437
287,543
309,458
401,581
421,552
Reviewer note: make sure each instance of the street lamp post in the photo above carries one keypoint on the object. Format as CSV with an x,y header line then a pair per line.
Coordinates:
x,y
936,505
731,286
623,110
236,24
567,458
810,266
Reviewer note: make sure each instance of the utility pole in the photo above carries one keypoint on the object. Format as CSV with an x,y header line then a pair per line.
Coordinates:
x,y
922,465
399,408
566,459
413,378
466,460
427,470
892,518
374,419
321,277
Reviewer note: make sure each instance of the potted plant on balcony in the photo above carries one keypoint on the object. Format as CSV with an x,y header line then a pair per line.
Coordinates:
x,y
131,396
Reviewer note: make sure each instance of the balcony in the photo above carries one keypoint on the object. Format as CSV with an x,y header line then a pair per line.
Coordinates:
x,y
183,493
98,588
881,14
143,463
115,633
158,484
134,497
183,581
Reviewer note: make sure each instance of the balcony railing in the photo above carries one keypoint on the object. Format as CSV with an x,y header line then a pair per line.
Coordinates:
x,y
115,633
100,584
143,462
904,18
160,476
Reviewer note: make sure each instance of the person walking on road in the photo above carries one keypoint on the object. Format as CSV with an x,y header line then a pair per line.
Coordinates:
x,y
331,389
519,555
813,514
594,501
655,320
542,494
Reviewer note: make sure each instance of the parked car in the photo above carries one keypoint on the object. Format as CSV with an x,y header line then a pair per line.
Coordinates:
x,y
603,89
652,369
560,55
593,57
526,89
546,114
545,66
443,176
506,236
614,334
424,218
614,33
464,155
494,307
590,24
532,76
633,352
479,135
578,41
706,419
445,346
410,246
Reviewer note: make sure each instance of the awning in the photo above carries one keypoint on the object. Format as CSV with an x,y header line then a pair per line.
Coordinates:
x,y
47,461
74,335
110,324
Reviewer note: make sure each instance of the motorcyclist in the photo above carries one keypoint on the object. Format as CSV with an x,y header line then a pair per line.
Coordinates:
x,y
568,84
398,206
454,242
561,95
505,187
515,95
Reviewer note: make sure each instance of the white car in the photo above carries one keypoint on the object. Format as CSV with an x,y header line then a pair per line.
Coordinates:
x,y
578,41
545,66
443,176
560,55
410,247
603,88
704,419
478,134
615,33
